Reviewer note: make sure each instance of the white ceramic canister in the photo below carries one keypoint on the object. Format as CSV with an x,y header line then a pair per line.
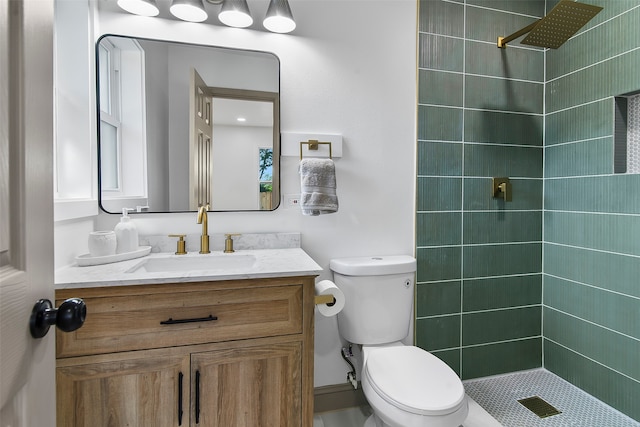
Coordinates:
x,y
102,243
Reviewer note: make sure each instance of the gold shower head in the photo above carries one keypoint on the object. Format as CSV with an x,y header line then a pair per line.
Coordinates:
x,y
564,20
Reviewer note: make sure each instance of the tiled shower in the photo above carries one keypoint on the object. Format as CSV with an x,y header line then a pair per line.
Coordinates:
x,y
551,278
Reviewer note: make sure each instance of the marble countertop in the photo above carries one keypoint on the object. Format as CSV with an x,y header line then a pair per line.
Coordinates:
x,y
268,263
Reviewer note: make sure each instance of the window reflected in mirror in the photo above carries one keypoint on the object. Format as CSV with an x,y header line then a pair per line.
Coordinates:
x,y
265,180
123,142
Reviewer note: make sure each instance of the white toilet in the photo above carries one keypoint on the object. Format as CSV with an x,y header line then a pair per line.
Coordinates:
x,y
404,385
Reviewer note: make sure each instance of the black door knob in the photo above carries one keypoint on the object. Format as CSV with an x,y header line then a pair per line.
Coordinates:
x,y
68,317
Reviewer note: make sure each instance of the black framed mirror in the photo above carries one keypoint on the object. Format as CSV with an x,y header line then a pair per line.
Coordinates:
x,y
183,125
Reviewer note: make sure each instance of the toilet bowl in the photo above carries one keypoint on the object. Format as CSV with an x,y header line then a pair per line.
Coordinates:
x,y
409,387
405,386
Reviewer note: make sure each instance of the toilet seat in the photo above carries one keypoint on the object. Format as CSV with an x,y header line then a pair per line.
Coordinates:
x,y
414,380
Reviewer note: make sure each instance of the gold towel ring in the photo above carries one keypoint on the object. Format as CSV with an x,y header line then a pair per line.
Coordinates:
x,y
313,145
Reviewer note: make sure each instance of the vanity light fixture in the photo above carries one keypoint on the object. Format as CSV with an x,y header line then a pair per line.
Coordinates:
x,y
235,13
188,10
279,18
140,7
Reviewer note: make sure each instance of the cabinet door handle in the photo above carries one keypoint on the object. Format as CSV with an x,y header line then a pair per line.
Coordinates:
x,y
170,320
180,378
197,397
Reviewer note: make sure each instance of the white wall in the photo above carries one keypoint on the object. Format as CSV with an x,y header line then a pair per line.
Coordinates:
x,y
236,155
349,69
156,79
74,155
75,145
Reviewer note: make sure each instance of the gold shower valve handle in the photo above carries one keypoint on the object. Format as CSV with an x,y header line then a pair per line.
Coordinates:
x,y
502,188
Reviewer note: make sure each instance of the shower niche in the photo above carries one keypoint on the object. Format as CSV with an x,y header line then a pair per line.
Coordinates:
x,y
626,135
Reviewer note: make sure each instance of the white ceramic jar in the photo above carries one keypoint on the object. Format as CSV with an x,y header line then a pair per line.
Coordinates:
x,y
102,243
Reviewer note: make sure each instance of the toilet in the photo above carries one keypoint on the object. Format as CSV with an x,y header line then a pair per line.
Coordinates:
x,y
404,385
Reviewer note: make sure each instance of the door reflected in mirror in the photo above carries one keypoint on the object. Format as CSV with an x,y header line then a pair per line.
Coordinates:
x,y
181,126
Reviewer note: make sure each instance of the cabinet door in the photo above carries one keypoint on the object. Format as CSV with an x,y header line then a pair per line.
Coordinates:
x,y
247,387
124,390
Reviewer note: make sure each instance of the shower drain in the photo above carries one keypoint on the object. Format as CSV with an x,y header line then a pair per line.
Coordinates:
x,y
539,406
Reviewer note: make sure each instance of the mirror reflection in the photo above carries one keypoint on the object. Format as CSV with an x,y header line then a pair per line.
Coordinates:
x,y
181,126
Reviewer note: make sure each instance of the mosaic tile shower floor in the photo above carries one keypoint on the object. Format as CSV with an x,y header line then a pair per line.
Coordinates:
x,y
498,395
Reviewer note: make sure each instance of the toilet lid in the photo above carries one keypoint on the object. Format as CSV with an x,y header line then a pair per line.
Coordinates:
x,y
414,380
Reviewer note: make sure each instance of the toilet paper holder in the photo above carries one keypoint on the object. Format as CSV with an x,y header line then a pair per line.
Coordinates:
x,y
325,299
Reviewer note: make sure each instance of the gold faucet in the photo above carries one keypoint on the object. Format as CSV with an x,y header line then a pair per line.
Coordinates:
x,y
204,239
228,243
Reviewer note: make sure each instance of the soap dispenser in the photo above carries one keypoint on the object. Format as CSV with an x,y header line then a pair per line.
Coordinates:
x,y
126,234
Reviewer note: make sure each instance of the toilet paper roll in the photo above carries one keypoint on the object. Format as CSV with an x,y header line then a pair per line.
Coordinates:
x,y
327,287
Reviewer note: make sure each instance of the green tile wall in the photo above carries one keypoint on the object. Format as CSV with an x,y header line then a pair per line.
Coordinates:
x,y
594,120
591,326
550,278
500,127
591,157
514,355
502,292
480,115
617,390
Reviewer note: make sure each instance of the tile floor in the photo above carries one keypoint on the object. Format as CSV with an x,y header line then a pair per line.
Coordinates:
x,y
497,405
355,417
499,396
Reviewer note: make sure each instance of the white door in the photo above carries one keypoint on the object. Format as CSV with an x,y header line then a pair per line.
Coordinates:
x,y
27,365
200,133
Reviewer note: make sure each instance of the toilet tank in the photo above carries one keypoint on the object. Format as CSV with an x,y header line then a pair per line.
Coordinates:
x,y
378,295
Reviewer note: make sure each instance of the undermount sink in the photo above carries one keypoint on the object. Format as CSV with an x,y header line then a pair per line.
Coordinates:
x,y
218,263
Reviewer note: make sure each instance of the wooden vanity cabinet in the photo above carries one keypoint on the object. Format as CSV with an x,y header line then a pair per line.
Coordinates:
x,y
251,366
123,389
